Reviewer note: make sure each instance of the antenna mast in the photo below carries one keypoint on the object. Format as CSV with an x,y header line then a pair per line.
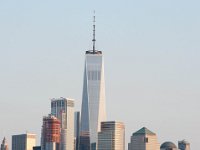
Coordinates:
x,y
94,40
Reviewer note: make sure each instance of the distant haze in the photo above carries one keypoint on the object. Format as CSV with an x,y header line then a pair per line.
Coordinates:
x,y
152,59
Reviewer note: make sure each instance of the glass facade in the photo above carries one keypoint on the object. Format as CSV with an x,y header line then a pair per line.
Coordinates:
x,y
93,100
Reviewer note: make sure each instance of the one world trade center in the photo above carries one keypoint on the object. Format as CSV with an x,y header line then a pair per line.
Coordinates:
x,y
93,110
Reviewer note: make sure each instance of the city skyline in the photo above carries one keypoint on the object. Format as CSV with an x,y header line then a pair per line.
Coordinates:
x,y
151,55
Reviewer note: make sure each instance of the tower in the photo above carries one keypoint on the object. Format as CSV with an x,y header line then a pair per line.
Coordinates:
x,y
63,109
112,136
4,145
93,98
143,139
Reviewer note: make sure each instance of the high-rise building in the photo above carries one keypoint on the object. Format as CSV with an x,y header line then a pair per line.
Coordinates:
x,y
143,139
23,142
50,138
168,146
63,109
93,98
183,145
76,130
4,145
112,136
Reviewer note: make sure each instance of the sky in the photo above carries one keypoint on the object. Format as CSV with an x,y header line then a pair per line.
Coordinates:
x,y
151,53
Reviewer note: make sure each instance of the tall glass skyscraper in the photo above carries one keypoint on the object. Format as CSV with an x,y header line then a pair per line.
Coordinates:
x,y
93,98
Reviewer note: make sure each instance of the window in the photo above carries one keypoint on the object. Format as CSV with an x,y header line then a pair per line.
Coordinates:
x,y
146,140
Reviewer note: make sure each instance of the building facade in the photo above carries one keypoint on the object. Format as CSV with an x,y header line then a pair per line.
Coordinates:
x,y
50,138
112,136
93,98
183,145
144,139
63,109
23,142
4,145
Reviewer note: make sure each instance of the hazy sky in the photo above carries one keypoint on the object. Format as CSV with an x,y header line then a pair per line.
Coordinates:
x,y
152,62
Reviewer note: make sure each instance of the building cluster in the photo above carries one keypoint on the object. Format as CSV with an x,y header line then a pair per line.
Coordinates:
x,y
65,129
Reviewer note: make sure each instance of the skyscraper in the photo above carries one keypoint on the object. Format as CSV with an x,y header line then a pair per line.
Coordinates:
x,y
143,139
63,109
183,145
50,138
112,136
23,142
4,145
93,98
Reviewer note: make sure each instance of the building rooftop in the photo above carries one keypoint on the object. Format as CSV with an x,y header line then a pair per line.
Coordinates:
x,y
144,130
184,141
168,145
93,52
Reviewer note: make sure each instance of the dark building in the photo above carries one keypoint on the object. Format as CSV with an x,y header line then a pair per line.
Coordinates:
x,y
77,129
183,145
37,148
168,146
84,142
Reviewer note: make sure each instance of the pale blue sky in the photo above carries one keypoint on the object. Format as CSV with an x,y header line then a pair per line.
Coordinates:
x,y
151,51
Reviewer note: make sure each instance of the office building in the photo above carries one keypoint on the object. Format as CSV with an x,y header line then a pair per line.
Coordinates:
x,y
23,142
93,98
112,136
168,146
63,109
50,138
4,145
76,130
143,139
183,145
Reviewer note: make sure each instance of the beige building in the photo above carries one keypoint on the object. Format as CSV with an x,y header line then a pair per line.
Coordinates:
x,y
112,136
144,139
23,142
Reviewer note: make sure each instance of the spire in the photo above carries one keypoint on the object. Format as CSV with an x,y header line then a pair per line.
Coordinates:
x,y
94,51
94,40
4,141
4,145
